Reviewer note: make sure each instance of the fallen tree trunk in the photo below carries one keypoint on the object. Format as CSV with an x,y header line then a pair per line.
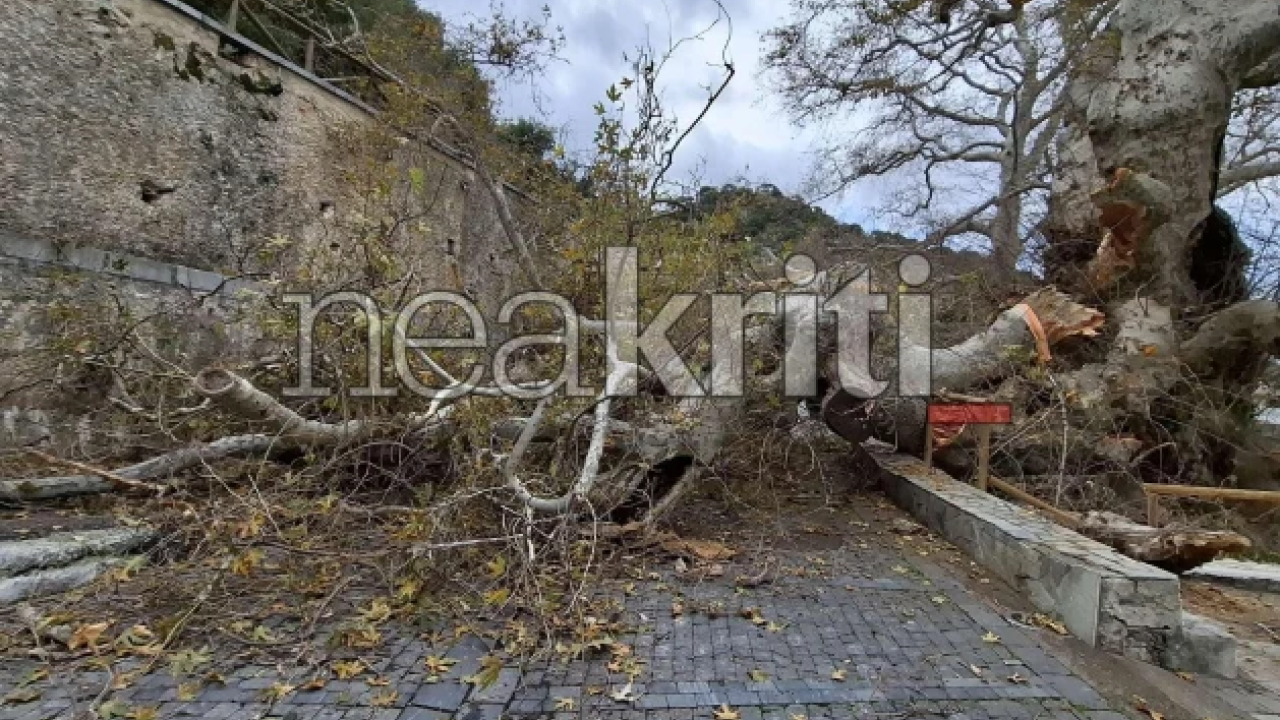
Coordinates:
x,y
21,556
157,468
1173,549
1029,329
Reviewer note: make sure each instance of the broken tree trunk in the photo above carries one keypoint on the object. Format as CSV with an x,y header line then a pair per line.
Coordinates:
x,y
1174,549
1022,332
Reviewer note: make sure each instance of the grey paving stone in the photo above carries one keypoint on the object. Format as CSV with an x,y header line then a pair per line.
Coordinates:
x,y
440,696
903,654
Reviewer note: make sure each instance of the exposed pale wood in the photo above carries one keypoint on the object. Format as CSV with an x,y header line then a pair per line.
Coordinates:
x,y
1174,549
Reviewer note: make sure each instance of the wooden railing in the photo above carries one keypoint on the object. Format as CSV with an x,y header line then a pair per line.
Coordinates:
x,y
1155,491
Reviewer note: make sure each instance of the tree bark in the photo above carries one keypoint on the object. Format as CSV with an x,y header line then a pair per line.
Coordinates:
x,y
1153,98
1174,549
1132,226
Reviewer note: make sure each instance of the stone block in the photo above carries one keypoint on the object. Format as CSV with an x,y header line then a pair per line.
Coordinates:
x,y
1204,647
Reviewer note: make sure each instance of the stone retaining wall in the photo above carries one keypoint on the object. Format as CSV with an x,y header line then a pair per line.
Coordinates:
x,y
150,158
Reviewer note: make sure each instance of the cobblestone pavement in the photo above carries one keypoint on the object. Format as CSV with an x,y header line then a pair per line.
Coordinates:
x,y
861,629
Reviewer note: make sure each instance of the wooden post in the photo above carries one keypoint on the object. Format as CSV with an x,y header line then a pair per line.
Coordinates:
x,y
309,57
984,455
928,444
233,16
980,415
1153,510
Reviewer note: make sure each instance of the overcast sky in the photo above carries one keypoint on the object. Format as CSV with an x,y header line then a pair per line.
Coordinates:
x,y
745,136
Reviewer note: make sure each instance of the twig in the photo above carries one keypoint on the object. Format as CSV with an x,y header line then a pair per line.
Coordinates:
x,y
182,622
121,483
420,549
310,630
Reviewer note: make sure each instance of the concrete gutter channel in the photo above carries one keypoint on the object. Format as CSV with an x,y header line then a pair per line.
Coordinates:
x,y
1110,601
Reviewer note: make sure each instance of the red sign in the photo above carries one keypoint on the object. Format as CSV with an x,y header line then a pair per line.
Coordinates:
x,y
971,414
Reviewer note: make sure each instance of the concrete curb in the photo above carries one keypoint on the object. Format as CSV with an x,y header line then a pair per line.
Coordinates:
x,y
1110,601
131,267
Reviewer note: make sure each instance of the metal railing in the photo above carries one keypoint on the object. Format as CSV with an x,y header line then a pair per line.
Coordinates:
x,y
265,28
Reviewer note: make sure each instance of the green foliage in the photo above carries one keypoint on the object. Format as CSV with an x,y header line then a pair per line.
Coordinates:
x,y
528,136
765,215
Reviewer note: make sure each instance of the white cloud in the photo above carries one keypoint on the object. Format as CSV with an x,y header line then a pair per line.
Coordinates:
x,y
745,135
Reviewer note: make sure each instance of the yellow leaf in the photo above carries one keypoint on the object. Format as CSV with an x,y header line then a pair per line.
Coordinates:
x,y
262,633
991,638
1017,679
348,669
839,674
439,665
250,528
87,636
497,567
361,636
145,713
1142,706
315,683
278,691
113,709
724,712
246,562
1045,621
187,662
408,589
378,611
497,596
386,698
758,675
490,666
138,639
566,704
21,696
1186,676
